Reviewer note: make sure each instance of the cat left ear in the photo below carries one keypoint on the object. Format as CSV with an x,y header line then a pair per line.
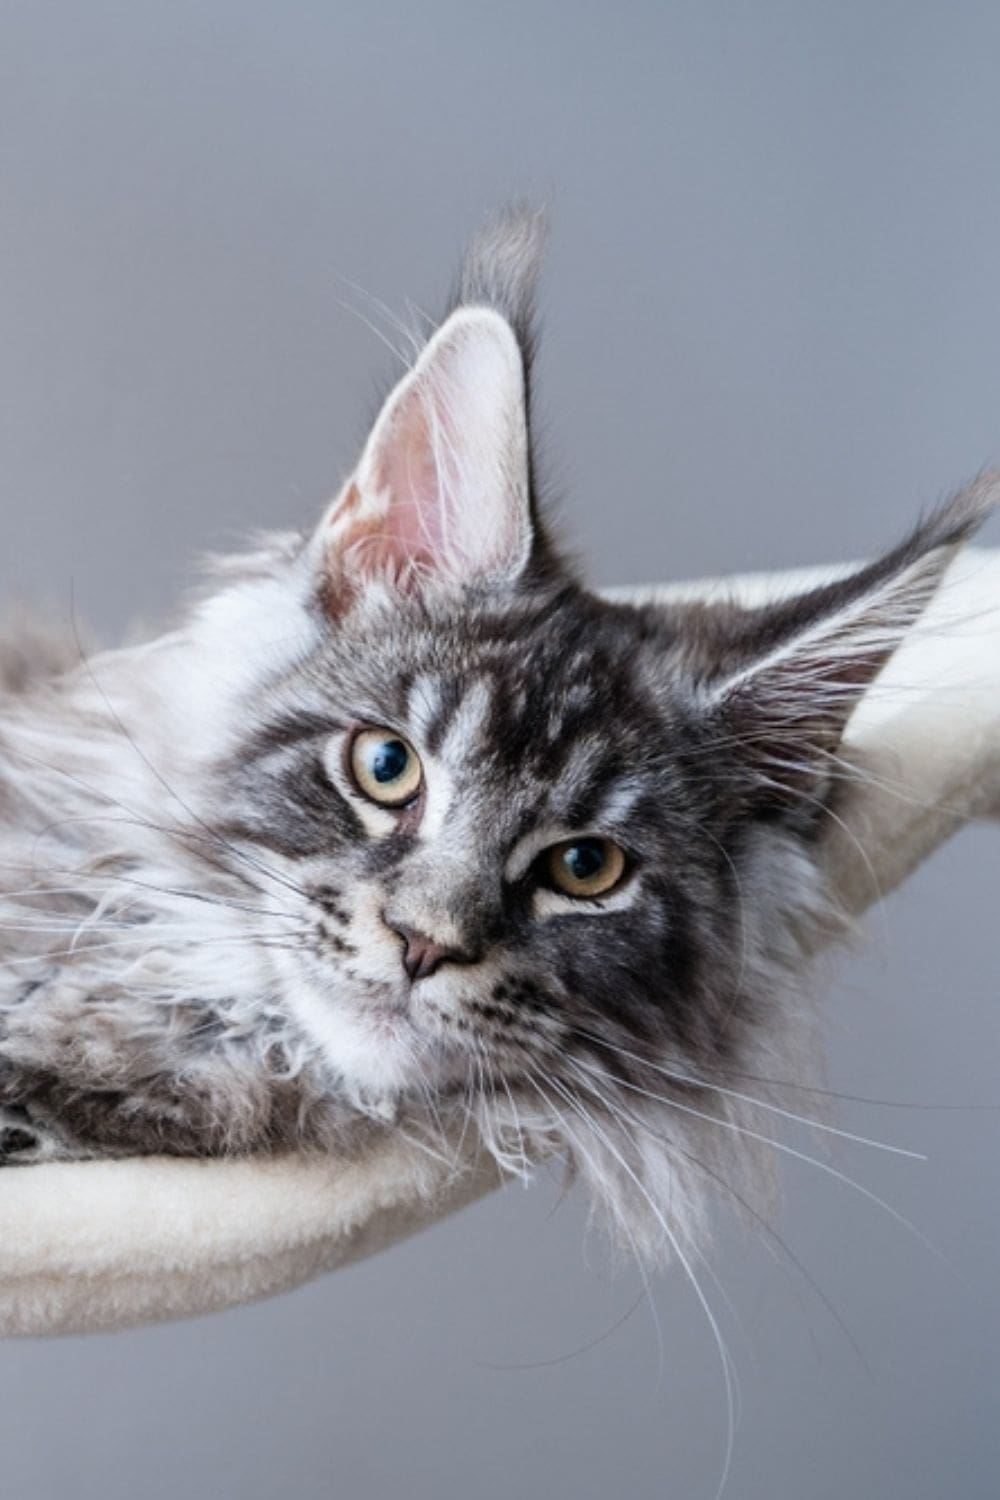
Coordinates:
x,y
782,681
440,498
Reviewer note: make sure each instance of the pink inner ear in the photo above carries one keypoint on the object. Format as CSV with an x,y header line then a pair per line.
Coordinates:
x,y
414,526
440,497
402,535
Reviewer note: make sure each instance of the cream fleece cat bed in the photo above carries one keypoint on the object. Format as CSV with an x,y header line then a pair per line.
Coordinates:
x,y
99,1245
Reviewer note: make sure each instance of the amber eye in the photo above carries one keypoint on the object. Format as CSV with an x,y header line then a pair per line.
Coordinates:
x,y
585,867
385,767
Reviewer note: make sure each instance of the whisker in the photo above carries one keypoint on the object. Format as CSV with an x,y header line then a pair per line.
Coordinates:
x,y
786,1149
278,940
731,1386
185,836
622,1222
768,1229
692,1080
563,1359
823,1093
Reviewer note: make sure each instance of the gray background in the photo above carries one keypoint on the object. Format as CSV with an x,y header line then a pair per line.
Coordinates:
x,y
772,329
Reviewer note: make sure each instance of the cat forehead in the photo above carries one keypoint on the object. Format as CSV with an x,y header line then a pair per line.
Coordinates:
x,y
534,685
566,656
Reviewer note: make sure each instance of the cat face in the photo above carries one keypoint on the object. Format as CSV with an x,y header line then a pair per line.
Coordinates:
x,y
551,859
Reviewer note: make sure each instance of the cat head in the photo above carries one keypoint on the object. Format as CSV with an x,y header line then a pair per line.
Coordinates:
x,y
554,857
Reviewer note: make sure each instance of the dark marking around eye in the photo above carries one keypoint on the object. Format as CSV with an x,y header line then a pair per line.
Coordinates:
x,y
290,731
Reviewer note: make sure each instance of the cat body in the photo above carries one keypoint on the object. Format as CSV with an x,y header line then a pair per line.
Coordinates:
x,y
404,828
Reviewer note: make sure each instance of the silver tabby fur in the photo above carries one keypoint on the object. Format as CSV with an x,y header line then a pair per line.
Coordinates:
x,y
199,949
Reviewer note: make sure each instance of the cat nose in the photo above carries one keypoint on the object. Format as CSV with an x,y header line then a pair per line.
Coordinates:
x,y
423,956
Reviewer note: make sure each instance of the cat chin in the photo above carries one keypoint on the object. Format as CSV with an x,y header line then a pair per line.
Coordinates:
x,y
376,1041
368,1043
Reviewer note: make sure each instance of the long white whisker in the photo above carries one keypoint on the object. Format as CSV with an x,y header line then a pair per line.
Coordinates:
x,y
692,1080
620,1110
623,1225
788,1150
731,1386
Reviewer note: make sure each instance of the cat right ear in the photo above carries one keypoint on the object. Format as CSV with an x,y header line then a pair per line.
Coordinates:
x,y
441,497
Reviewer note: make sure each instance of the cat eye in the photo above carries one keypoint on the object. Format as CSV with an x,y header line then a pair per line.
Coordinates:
x,y
385,767
585,867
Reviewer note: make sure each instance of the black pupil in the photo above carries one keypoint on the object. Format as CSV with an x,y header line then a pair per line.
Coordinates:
x,y
585,859
390,761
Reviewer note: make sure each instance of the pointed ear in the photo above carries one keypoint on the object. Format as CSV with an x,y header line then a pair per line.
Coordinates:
x,y
785,678
440,499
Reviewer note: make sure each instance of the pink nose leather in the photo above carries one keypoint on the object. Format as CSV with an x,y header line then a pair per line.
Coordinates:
x,y
422,956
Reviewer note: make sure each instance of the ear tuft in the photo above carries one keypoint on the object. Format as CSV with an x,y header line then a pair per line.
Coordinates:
x,y
501,268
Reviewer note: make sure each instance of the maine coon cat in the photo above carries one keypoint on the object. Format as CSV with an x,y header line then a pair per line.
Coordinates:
x,y
403,828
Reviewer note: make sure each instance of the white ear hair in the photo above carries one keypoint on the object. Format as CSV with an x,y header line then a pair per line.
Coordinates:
x,y
441,494
788,676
